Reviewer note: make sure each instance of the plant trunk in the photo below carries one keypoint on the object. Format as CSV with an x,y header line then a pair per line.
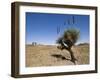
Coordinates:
x,y
73,59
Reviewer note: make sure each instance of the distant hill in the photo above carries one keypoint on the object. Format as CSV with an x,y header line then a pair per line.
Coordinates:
x,y
82,44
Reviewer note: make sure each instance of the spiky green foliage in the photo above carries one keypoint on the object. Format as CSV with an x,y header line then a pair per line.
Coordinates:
x,y
70,35
59,40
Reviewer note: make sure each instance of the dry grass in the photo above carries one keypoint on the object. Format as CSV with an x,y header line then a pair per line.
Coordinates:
x,y
43,55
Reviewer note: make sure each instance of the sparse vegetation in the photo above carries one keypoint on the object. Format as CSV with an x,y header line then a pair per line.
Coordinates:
x,y
42,55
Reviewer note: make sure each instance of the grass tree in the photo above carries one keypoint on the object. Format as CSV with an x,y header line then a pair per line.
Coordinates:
x,y
67,40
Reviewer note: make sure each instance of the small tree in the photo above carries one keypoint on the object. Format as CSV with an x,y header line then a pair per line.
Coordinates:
x,y
67,40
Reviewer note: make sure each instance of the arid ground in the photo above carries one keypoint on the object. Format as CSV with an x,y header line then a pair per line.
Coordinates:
x,y
49,55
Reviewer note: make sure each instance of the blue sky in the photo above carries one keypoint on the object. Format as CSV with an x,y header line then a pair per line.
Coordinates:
x,y
42,27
